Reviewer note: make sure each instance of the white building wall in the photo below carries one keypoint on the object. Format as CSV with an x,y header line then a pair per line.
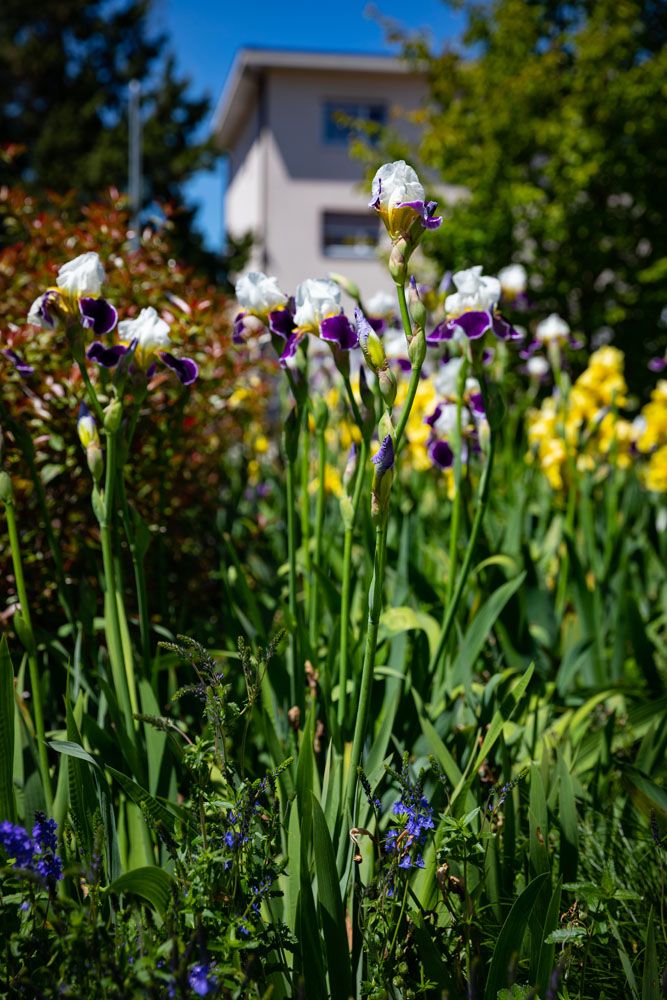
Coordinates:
x,y
302,176
244,193
307,177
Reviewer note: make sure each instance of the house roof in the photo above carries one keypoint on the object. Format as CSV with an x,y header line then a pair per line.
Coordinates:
x,y
241,86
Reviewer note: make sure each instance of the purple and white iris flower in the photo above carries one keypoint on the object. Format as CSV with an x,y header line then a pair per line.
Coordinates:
x,y
263,306
537,368
551,330
551,333
147,339
513,282
398,197
76,294
381,310
443,421
318,310
471,309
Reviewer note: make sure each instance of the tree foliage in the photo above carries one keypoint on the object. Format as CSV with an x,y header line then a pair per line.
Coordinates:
x,y
64,75
553,118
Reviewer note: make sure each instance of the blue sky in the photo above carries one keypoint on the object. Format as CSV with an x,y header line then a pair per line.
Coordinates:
x,y
205,35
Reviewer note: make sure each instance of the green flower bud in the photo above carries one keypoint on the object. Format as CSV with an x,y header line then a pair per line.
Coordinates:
x,y
24,632
388,386
95,461
398,261
6,489
370,344
417,348
383,477
113,415
98,505
386,426
416,306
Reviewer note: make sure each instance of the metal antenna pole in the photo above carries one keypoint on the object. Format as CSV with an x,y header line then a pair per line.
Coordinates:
x,y
134,158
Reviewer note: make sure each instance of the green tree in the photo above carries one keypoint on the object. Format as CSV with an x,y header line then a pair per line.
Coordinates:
x,y
65,66
553,116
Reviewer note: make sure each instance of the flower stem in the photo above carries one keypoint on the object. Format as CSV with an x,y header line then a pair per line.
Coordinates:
x,y
354,406
296,690
305,507
456,506
345,592
123,670
139,575
374,610
452,605
317,549
415,374
29,641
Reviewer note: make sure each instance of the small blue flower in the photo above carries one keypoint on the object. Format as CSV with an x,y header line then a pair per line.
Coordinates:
x,y
201,979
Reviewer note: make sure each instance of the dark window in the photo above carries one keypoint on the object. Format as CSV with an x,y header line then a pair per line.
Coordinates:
x,y
353,235
339,118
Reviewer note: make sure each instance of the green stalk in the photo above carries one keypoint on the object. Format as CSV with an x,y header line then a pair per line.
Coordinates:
x,y
345,594
139,575
317,549
374,610
123,671
452,606
296,689
458,465
29,637
354,406
90,389
415,374
305,507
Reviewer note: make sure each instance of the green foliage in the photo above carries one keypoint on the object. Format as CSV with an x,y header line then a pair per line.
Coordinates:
x,y
550,119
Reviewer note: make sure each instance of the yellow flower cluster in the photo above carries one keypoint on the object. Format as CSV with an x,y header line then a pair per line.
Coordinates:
x,y
582,429
417,432
652,438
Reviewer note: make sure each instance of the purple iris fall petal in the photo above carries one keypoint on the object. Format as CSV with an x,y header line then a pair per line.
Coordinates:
x,y
426,212
384,460
474,323
291,346
476,401
106,356
440,333
441,454
239,328
22,367
429,219
281,322
432,419
655,364
186,369
97,315
377,323
338,330
504,330
404,365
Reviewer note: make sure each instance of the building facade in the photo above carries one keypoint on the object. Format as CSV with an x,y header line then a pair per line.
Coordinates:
x,y
284,121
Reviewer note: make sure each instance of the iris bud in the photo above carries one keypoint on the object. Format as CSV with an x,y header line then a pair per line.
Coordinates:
x,y
6,490
388,386
113,415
